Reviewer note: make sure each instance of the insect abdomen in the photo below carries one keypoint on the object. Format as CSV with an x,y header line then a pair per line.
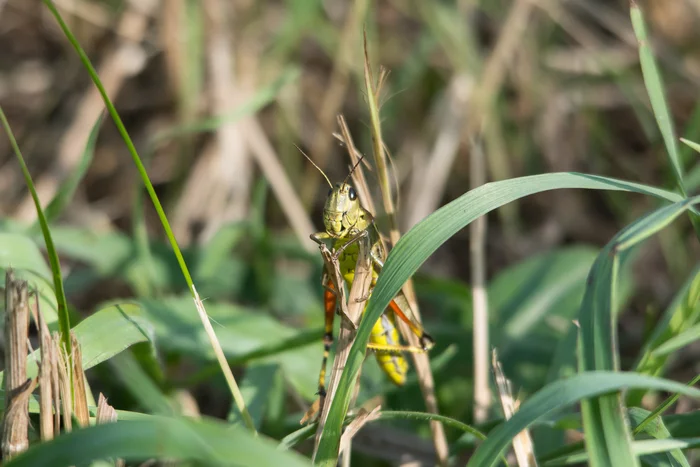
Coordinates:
x,y
384,333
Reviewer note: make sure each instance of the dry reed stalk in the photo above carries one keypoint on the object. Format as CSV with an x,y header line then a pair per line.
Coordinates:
x,y
17,387
64,386
420,360
351,310
80,404
47,397
522,443
107,414
477,248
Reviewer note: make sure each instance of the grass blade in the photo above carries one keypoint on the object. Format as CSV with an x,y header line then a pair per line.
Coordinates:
x,y
655,90
230,380
421,241
564,393
63,317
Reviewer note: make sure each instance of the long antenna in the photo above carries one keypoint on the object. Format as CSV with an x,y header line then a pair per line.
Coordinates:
x,y
317,167
362,156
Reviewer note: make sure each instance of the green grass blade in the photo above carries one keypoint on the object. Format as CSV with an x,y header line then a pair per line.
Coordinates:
x,y
673,329
63,317
677,342
205,442
19,252
608,440
655,90
641,418
67,189
105,334
421,241
228,375
564,393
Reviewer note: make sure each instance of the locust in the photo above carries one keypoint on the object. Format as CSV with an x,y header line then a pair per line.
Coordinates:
x,y
346,222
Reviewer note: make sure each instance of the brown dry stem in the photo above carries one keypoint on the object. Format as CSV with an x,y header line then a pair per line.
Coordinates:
x,y
350,311
17,387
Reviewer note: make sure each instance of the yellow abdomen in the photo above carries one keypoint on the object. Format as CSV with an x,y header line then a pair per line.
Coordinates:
x,y
384,331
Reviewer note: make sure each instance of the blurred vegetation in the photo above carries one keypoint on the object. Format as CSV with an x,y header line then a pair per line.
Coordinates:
x,y
215,94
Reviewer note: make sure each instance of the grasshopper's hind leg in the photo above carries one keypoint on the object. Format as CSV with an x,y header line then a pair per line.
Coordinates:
x,y
329,301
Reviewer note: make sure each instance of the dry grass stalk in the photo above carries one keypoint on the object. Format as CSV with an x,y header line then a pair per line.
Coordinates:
x,y
55,384
48,400
477,248
64,386
17,386
80,404
107,414
351,311
522,443
358,176
363,417
420,360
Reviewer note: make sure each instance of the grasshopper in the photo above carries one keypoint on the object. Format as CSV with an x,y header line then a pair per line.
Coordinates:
x,y
346,222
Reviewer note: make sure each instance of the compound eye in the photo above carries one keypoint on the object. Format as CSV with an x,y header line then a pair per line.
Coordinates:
x,y
352,194
330,191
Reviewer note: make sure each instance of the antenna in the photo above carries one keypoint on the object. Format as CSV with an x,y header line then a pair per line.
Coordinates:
x,y
317,167
362,156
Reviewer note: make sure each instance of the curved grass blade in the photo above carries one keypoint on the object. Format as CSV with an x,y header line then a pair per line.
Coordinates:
x,y
63,317
608,440
655,90
564,393
422,240
228,375
658,430
104,334
205,441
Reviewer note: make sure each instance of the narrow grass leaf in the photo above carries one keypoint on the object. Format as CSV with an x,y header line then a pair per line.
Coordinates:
x,y
63,317
646,448
687,337
105,334
655,90
205,442
228,375
657,430
608,440
421,241
256,387
677,328
561,394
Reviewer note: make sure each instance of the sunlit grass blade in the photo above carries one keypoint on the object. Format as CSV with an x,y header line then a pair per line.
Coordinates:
x,y
63,317
422,240
228,375
563,393
206,442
